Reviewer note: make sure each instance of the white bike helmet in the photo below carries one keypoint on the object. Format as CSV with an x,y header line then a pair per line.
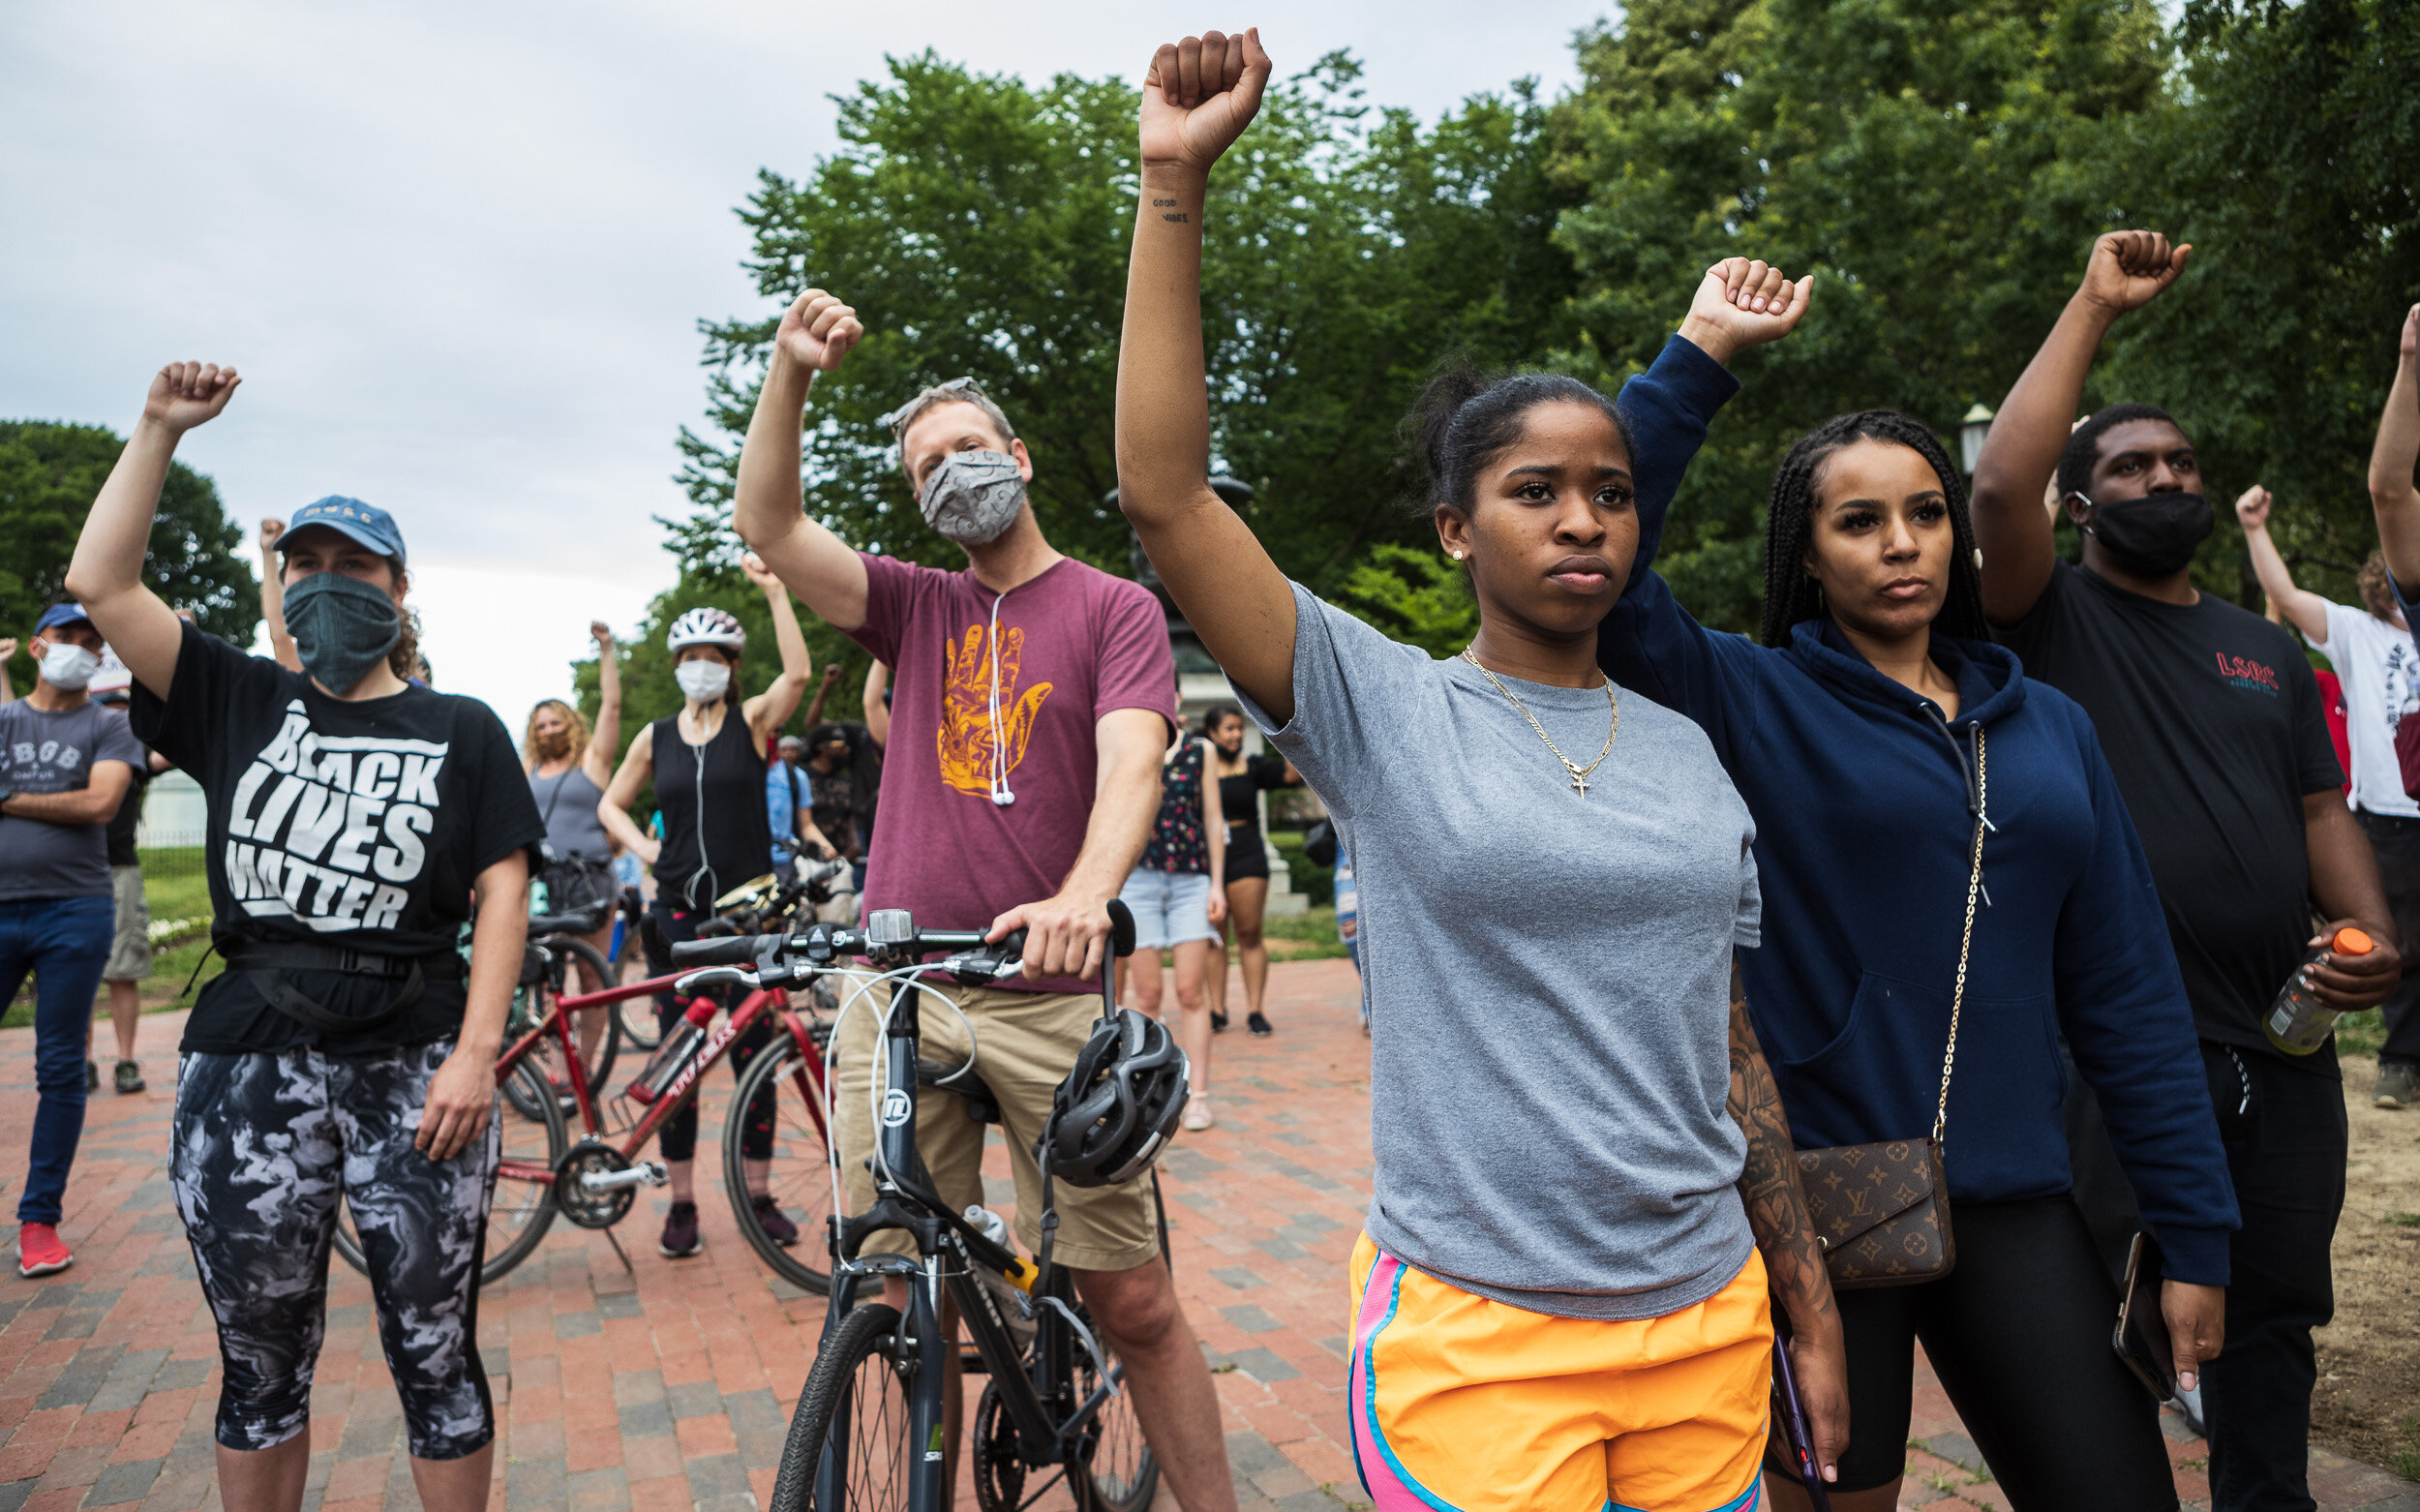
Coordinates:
x,y
707,628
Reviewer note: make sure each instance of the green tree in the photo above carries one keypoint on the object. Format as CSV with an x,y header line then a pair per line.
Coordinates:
x,y
50,474
979,225
2289,163
1933,163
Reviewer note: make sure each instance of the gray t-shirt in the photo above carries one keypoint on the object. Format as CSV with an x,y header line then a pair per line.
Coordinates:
x,y
53,751
1547,975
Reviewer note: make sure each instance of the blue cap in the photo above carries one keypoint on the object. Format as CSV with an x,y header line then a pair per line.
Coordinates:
x,y
62,614
367,524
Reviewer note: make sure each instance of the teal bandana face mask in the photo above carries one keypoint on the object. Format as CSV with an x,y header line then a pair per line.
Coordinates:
x,y
342,626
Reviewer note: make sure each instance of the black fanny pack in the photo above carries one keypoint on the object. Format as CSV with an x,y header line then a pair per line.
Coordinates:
x,y
267,964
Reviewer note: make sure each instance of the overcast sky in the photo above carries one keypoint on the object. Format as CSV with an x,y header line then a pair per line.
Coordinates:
x,y
459,251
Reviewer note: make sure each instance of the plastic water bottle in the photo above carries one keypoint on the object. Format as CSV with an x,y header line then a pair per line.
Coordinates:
x,y
1016,1305
672,1054
2298,1023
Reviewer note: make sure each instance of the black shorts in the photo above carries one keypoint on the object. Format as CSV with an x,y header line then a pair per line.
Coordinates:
x,y
1245,857
2018,1333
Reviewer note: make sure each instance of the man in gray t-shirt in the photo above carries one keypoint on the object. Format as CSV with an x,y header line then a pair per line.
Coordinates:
x,y
1548,972
64,766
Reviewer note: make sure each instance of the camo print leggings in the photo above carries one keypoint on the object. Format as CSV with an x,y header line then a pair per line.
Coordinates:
x,y
264,1145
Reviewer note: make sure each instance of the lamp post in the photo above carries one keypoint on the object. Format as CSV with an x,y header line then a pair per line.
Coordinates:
x,y
1971,433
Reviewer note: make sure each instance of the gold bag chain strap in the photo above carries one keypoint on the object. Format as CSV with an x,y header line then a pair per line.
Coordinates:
x,y
1966,944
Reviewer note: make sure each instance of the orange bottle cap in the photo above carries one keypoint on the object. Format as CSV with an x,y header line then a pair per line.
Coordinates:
x,y
2351,942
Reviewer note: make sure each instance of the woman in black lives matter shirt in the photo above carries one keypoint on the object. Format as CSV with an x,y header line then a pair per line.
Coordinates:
x,y
353,821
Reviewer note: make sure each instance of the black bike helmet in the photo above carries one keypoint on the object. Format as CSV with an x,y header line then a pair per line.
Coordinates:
x,y
1117,1109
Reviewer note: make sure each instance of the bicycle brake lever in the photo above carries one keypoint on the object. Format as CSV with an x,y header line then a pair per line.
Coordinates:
x,y
713,976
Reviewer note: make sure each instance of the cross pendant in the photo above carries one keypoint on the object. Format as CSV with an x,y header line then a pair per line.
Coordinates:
x,y
1580,784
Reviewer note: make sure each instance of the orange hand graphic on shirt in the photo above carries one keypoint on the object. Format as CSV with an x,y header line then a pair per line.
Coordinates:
x,y
967,737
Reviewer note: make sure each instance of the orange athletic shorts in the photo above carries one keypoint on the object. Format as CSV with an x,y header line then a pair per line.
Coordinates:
x,y
1460,1403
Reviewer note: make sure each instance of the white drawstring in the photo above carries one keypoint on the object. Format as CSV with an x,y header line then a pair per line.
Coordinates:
x,y
1001,797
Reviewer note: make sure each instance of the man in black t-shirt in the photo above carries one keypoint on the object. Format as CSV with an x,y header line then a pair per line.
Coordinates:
x,y
2213,727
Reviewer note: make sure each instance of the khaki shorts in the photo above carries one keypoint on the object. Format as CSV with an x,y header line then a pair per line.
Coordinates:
x,y
130,949
1027,1041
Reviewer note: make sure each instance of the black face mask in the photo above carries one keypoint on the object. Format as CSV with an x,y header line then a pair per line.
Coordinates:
x,y
2153,536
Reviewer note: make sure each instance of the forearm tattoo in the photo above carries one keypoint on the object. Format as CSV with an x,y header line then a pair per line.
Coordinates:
x,y
1769,1184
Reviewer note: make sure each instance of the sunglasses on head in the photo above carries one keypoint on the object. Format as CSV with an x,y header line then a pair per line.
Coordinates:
x,y
898,418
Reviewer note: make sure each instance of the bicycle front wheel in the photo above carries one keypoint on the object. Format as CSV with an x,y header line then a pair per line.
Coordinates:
x,y
855,1409
798,1178
596,1032
522,1206
1110,1469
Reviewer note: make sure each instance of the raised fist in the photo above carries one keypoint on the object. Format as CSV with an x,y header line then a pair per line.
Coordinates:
x,y
2252,510
2129,269
817,331
187,393
1198,97
1744,302
602,634
2410,346
831,674
759,574
7,647
270,530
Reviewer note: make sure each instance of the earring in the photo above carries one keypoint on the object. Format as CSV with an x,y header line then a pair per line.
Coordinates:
x,y
1456,555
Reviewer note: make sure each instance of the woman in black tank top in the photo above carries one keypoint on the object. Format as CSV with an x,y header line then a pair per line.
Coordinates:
x,y
1241,782
707,763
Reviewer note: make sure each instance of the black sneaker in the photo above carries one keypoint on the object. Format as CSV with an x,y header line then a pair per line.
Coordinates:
x,y
130,1077
780,1229
92,1075
2398,1085
680,1237
1218,1021
1259,1026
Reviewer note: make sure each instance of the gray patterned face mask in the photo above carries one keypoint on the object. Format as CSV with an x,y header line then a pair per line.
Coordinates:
x,y
973,496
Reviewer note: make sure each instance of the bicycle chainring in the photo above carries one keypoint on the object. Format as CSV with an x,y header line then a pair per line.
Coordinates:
x,y
999,1469
580,1206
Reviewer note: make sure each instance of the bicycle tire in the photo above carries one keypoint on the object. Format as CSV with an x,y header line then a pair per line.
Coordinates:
x,y
637,1014
865,1336
521,1210
1112,1467
565,949
801,1179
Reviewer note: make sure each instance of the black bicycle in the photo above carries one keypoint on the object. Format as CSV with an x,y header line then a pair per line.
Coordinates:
x,y
868,1429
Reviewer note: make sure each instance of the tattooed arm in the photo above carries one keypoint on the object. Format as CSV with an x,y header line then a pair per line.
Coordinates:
x,y
1794,1262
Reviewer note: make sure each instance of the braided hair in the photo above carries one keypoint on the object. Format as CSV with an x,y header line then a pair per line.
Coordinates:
x,y
1791,593
1465,419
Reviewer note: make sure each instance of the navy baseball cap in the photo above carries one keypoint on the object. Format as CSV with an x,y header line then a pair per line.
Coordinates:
x,y
367,524
62,614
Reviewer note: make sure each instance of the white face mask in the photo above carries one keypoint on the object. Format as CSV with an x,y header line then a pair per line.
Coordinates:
x,y
68,667
703,680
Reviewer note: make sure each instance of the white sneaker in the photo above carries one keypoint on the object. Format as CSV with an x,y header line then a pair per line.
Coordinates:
x,y
1197,1115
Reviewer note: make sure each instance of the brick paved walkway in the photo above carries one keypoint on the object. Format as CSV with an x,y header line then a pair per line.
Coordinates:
x,y
670,1386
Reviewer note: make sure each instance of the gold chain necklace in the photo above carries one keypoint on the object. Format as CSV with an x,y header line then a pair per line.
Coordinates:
x,y
1579,774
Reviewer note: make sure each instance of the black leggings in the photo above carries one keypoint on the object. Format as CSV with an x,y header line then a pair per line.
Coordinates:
x,y
677,1140
2018,1333
264,1146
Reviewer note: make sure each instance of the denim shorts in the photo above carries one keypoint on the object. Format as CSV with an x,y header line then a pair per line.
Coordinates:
x,y
1170,907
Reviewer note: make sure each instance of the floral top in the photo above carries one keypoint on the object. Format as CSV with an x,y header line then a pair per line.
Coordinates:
x,y
1177,841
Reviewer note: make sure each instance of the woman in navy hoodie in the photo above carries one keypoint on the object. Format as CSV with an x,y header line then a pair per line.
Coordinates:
x,y
1856,733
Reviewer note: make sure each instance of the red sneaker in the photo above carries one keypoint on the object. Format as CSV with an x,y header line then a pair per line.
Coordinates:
x,y
40,1252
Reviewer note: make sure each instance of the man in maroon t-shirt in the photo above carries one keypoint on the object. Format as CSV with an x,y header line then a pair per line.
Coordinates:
x,y
1031,705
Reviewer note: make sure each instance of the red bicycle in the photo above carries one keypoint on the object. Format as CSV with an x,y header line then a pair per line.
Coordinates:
x,y
593,1182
